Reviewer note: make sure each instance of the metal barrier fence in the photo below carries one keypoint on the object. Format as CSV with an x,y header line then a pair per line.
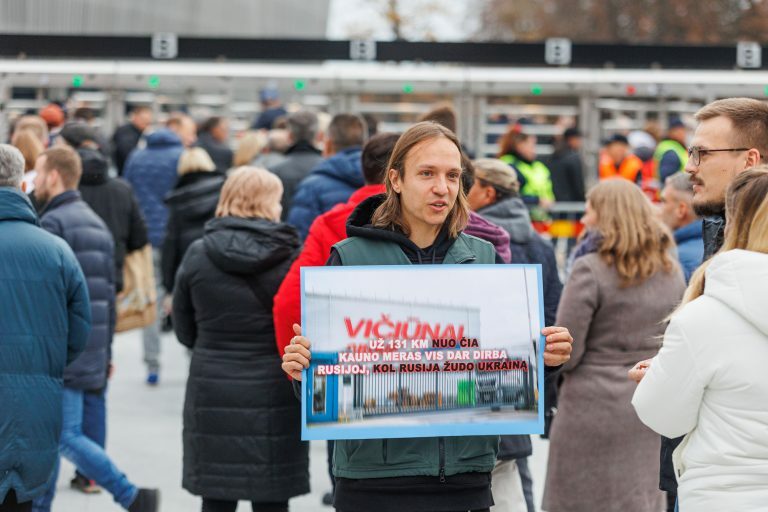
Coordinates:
x,y
405,392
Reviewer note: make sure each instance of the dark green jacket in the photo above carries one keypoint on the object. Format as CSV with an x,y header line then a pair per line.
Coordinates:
x,y
426,456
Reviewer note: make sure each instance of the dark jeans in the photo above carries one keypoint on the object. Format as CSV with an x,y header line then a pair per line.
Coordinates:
x,y
95,418
527,481
210,505
330,445
10,504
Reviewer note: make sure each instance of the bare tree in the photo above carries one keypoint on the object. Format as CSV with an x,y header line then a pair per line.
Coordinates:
x,y
625,21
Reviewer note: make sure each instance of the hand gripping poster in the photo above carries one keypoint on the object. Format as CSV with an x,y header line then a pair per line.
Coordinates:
x,y
422,351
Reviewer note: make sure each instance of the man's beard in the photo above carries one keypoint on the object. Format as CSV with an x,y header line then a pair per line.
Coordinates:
x,y
708,208
40,196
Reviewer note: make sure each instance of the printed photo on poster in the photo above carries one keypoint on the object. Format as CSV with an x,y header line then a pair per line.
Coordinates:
x,y
443,350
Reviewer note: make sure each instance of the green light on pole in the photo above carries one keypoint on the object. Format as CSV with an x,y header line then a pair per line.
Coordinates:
x,y
299,85
77,81
536,90
408,88
765,90
154,82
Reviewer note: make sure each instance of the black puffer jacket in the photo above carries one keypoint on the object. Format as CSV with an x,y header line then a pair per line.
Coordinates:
x,y
242,424
112,200
191,204
70,218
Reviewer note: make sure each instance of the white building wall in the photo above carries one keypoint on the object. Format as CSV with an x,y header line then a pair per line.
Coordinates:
x,y
211,18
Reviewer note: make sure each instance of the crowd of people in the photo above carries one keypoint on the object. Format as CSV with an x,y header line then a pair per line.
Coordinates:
x,y
654,342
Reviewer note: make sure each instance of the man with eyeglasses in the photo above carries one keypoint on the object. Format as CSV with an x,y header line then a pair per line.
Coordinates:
x,y
732,136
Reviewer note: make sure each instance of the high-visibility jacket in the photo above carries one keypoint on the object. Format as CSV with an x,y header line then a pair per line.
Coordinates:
x,y
670,145
630,168
538,180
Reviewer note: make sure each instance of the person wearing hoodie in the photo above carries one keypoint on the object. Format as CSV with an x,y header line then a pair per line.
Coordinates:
x,y
112,200
334,179
708,380
330,228
44,287
66,215
494,195
419,221
191,204
242,425
152,173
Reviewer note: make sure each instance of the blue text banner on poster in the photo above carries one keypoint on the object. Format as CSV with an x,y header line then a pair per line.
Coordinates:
x,y
443,350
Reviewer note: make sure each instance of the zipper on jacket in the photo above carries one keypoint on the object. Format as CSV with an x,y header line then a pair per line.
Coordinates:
x,y
441,451
384,450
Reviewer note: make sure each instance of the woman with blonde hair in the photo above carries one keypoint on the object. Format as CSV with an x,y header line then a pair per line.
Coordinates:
x,y
249,147
242,438
624,282
191,203
30,146
708,380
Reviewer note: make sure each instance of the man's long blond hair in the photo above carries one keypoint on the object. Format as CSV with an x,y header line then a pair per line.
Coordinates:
x,y
389,214
632,239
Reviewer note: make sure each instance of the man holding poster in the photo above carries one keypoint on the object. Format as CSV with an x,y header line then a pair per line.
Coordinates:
x,y
419,221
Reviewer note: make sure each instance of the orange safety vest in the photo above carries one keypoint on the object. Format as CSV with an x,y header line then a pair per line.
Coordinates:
x,y
629,168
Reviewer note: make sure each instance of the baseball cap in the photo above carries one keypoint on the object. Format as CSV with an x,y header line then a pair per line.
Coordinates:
x,y
269,93
571,132
617,138
497,174
53,115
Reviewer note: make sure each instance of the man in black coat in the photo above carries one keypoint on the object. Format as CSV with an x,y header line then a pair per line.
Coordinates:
x,y
300,158
566,168
213,137
126,137
111,198
66,215
732,136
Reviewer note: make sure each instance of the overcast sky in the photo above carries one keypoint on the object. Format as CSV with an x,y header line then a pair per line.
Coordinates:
x,y
448,21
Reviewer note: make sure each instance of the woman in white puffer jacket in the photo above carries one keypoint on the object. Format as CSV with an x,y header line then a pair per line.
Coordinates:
x,y
709,380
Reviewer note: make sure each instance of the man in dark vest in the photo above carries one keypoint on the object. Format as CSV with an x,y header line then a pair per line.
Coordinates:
x,y
732,136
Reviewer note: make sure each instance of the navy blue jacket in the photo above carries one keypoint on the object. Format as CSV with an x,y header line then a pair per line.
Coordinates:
x,y
152,174
690,247
44,322
70,218
328,184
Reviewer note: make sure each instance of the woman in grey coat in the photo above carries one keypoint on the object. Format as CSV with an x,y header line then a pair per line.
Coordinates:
x,y
624,283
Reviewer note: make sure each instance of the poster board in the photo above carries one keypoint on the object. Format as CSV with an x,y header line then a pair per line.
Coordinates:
x,y
422,351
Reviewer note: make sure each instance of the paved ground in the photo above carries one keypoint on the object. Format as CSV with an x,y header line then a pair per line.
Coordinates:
x,y
144,437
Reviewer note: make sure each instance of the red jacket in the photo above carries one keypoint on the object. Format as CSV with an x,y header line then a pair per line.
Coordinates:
x,y
327,229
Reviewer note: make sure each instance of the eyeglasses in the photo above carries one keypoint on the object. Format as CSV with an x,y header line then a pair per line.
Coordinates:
x,y
695,152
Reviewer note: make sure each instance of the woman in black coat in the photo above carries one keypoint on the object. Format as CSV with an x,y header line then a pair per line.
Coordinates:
x,y
191,204
242,424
